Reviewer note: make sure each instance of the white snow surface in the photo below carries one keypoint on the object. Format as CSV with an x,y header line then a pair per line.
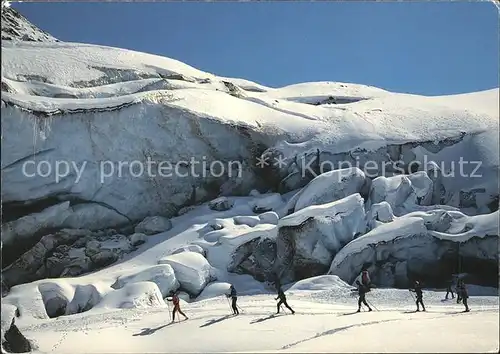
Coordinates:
x,y
331,186
321,324
134,318
142,97
129,105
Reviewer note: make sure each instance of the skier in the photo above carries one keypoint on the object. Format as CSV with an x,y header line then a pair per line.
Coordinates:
x,y
362,290
234,297
364,279
449,290
177,307
463,294
417,289
282,297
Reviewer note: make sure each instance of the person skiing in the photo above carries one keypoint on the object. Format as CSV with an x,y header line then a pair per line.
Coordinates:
x,y
364,279
417,289
362,290
282,297
463,294
234,297
449,290
177,307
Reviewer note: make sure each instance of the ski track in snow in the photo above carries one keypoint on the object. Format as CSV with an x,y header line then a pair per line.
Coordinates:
x,y
209,322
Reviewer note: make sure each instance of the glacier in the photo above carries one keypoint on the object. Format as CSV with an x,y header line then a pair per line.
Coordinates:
x,y
110,198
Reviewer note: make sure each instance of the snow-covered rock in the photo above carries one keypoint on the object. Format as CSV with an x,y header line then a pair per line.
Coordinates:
x,y
153,225
137,239
269,217
254,193
84,298
246,220
191,269
403,192
56,297
133,295
162,275
267,202
190,248
331,186
221,204
410,246
320,283
213,290
379,213
225,246
309,239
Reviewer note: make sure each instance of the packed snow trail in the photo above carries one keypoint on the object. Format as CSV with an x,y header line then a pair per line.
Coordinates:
x,y
317,326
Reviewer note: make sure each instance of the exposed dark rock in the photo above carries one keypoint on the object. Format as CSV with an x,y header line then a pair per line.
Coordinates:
x,y
234,90
16,27
67,253
15,341
56,306
104,258
152,225
221,204
494,204
260,210
255,258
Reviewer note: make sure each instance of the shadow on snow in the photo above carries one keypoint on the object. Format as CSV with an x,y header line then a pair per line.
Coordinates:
x,y
211,322
148,331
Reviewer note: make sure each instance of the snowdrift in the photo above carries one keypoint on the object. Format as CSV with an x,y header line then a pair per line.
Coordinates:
x,y
424,245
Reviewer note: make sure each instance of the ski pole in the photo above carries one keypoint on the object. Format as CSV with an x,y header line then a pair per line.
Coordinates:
x,y
169,315
229,304
369,303
413,297
239,308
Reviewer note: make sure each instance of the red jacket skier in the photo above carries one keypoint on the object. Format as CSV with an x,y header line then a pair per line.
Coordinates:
x,y
177,307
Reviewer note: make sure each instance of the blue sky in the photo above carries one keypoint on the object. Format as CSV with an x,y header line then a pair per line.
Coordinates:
x,y
427,48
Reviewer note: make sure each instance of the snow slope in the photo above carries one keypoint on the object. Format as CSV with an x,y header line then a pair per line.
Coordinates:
x,y
322,323
88,104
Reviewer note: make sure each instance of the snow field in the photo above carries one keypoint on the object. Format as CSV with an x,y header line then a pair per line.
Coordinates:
x,y
316,327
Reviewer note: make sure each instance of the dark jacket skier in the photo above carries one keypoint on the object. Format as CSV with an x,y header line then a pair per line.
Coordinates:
x,y
362,290
282,297
417,289
449,290
463,294
177,307
234,297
